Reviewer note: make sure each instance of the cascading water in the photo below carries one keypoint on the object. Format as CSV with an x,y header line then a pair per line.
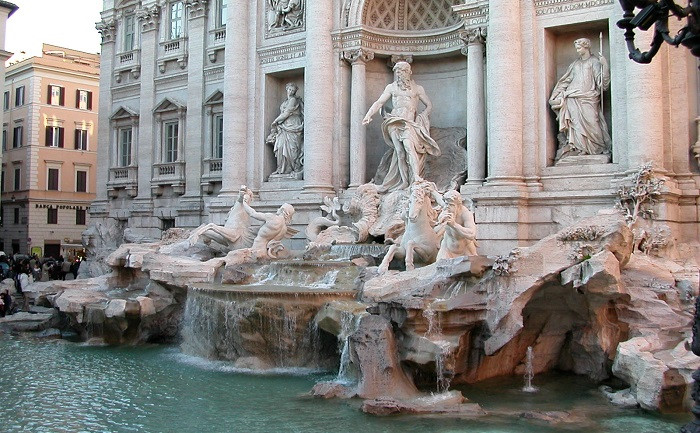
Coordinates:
x,y
529,372
444,352
348,323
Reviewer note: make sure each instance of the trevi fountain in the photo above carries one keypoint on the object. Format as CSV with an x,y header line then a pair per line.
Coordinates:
x,y
422,297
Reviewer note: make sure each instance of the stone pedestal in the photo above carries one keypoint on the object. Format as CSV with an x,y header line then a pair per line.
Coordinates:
x,y
582,160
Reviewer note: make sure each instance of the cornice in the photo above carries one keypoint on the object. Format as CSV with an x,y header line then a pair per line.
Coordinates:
x,y
386,43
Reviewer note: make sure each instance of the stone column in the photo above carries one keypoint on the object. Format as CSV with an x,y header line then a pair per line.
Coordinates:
x,y
108,30
235,152
476,106
645,108
505,93
196,37
318,97
149,18
358,106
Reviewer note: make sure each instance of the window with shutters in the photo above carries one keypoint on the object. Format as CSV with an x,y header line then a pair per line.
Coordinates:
x,y
52,179
80,217
176,21
124,149
52,216
57,95
81,139
170,135
17,136
129,32
19,96
54,136
221,16
15,217
18,179
83,99
218,136
81,181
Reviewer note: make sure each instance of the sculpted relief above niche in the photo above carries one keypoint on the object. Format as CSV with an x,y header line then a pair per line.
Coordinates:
x,y
284,16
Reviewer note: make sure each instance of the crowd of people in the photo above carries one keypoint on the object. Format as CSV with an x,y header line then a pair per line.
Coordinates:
x,y
24,270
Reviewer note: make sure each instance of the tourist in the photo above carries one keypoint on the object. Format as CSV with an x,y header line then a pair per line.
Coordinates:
x,y
24,281
7,302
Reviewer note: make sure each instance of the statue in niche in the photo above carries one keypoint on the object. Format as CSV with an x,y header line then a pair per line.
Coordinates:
x,y
275,228
235,233
404,129
457,227
287,135
576,99
285,14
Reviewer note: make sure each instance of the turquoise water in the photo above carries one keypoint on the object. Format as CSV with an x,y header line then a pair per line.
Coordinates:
x,y
58,386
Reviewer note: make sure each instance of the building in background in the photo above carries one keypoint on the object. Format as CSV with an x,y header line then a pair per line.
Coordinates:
x,y
49,142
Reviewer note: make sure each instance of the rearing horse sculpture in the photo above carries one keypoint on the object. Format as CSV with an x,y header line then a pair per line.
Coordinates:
x,y
419,240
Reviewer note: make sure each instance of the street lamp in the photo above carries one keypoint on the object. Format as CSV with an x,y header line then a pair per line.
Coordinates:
x,y
657,13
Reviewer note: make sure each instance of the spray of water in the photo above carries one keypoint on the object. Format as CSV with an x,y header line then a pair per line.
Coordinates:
x,y
529,372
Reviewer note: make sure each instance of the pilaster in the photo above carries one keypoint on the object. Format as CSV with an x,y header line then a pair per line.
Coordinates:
x,y
319,103
107,29
236,69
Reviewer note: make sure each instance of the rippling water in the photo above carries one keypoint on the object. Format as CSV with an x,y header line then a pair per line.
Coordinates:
x,y
61,387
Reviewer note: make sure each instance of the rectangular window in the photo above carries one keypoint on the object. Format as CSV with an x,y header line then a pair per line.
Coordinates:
x,y
54,136
52,216
124,147
4,139
222,13
6,101
176,20
170,141
52,182
18,178
218,148
57,95
17,133
81,181
19,96
2,182
83,99
129,32
15,217
80,217
81,139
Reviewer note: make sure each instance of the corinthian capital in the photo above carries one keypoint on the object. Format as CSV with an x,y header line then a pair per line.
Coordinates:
x,y
360,55
149,17
197,8
107,29
475,35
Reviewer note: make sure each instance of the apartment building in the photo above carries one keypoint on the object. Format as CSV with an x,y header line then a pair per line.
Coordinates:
x,y
49,142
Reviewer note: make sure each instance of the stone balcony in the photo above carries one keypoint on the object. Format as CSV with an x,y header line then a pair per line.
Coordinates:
x,y
211,174
216,43
125,178
168,174
172,50
127,62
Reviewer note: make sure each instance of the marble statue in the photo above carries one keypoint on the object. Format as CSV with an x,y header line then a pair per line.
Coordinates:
x,y
285,14
404,129
419,239
576,99
457,228
275,228
235,233
287,135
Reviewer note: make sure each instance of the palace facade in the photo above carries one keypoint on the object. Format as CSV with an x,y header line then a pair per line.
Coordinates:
x,y
189,89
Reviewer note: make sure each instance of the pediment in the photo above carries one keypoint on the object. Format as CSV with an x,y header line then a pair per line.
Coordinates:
x,y
169,104
215,98
124,112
